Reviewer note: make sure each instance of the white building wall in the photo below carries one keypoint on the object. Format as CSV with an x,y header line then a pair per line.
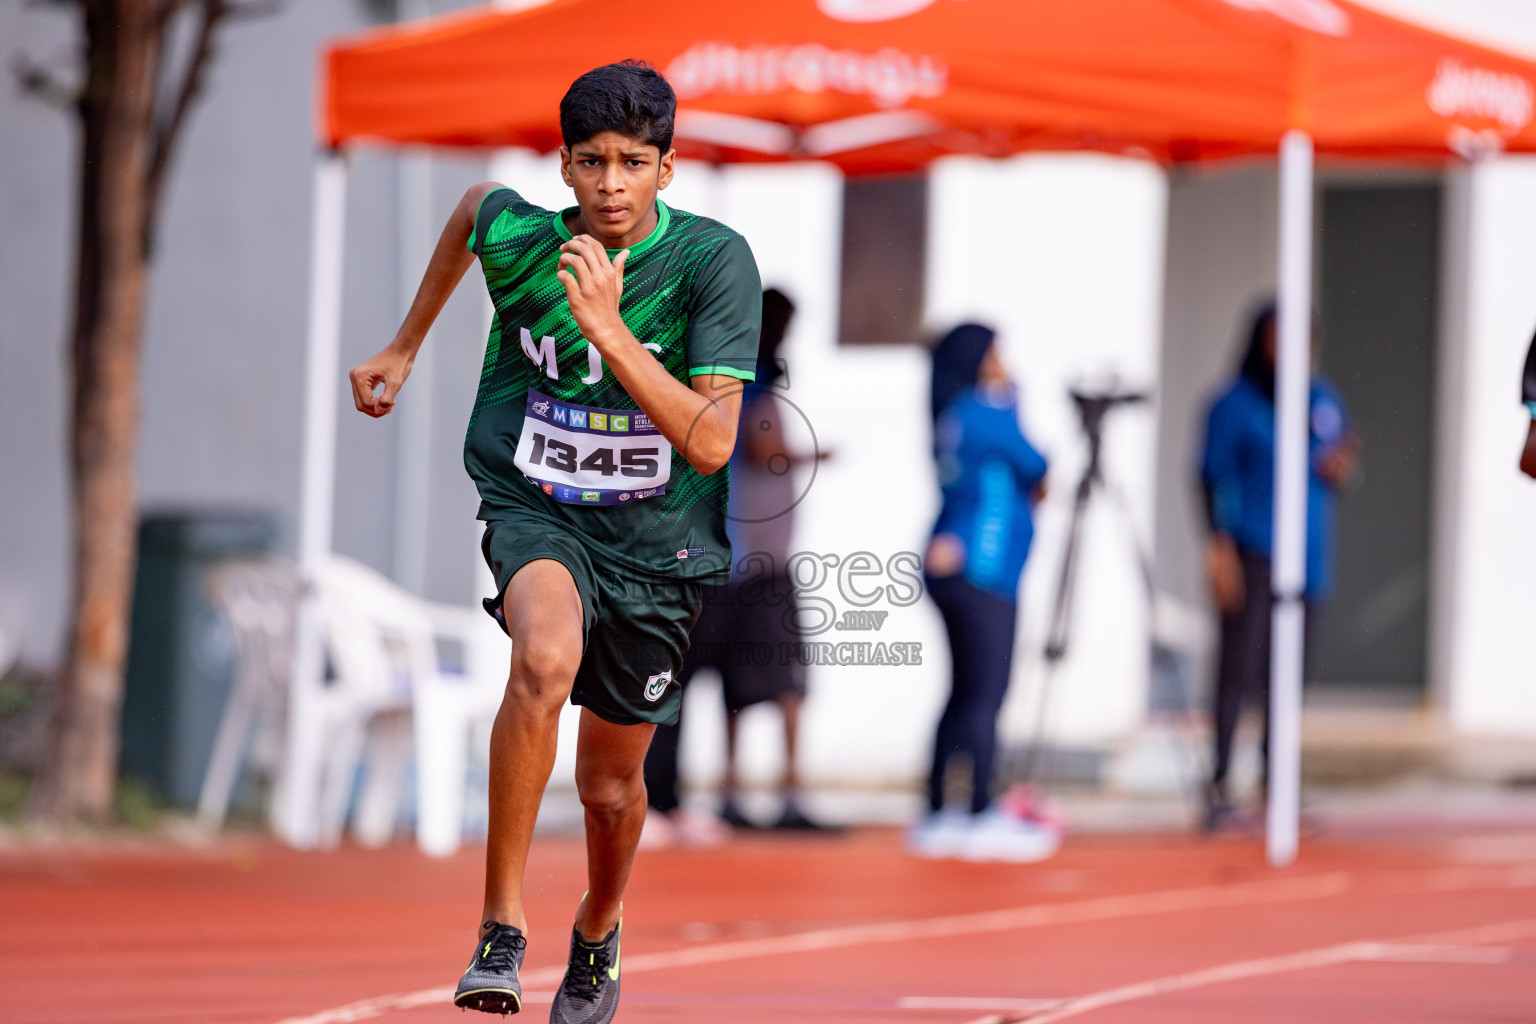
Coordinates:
x,y
1486,546
1482,600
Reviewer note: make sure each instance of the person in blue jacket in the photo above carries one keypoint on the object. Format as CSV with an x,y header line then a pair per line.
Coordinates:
x,y
1237,474
991,477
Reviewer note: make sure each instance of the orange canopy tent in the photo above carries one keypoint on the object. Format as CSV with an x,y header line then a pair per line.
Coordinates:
x,y
889,85
884,85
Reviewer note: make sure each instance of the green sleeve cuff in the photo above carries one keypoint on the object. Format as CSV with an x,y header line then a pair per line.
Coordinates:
x,y
725,371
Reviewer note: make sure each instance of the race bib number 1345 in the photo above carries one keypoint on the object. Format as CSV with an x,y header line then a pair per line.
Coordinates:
x,y
580,455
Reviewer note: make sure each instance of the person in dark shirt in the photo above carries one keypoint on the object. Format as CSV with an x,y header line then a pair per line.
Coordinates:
x,y
1237,474
1528,396
755,610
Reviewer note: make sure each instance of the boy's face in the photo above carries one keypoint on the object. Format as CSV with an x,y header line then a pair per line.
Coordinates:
x,y
616,179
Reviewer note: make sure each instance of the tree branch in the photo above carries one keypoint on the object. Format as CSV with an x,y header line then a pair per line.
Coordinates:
x,y
172,117
167,128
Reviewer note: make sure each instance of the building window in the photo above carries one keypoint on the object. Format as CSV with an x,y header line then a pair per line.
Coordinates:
x,y
885,241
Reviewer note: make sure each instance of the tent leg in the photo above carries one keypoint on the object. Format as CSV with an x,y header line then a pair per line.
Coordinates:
x,y
1293,374
295,804
413,476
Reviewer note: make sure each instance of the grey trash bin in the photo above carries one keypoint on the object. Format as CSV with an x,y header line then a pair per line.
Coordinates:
x,y
181,653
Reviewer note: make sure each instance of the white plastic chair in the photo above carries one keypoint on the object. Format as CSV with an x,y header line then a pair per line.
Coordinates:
x,y
258,597
392,653
453,710
378,640
399,670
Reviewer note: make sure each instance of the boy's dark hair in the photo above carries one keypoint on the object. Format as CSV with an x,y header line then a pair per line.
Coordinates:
x,y
630,97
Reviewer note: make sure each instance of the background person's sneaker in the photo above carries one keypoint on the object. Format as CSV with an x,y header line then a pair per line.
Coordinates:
x,y
942,834
590,992
996,835
491,983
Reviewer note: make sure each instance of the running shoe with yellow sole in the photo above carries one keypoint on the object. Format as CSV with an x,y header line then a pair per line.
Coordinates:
x,y
491,982
590,992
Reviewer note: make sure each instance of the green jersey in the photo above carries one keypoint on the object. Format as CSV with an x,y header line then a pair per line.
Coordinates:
x,y
555,439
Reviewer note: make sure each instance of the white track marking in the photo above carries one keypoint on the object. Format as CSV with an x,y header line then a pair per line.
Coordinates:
x,y
1400,953
1105,908
1419,949
975,1003
1099,909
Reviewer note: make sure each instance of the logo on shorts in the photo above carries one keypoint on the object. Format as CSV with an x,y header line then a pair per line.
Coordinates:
x,y
542,408
682,554
657,685
591,496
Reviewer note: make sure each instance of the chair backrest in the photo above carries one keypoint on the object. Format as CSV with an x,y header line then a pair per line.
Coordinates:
x,y
379,636
480,651
260,598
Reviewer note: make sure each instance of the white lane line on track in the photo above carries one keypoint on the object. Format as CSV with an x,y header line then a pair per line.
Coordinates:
x,y
1104,908
1425,948
975,1003
1039,915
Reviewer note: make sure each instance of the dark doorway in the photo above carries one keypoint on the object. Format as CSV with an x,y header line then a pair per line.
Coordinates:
x,y
1378,295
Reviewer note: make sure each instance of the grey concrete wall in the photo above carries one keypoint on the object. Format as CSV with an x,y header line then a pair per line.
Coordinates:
x,y
222,372
1221,262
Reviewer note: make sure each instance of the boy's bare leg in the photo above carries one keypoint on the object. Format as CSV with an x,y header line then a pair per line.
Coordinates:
x,y
544,618
610,762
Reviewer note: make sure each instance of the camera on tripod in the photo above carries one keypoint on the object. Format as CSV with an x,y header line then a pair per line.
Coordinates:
x,y
1094,405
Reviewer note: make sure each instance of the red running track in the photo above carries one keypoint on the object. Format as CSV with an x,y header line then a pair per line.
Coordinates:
x,y
1112,930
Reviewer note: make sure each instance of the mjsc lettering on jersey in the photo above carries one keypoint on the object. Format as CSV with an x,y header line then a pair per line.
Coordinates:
x,y
581,455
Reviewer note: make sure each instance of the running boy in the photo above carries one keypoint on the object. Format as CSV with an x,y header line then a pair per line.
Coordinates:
x,y
608,401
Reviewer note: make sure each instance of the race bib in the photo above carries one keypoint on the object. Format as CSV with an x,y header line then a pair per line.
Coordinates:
x,y
579,455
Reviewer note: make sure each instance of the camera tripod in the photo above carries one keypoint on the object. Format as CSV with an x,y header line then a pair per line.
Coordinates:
x,y
1092,408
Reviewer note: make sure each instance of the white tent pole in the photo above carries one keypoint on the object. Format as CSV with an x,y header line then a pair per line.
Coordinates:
x,y
413,485
295,804
413,461
1293,375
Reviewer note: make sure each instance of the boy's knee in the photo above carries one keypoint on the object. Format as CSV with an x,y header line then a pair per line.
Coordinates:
x,y
542,672
610,796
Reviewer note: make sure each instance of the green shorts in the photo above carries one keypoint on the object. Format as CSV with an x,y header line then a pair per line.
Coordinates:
x,y
634,631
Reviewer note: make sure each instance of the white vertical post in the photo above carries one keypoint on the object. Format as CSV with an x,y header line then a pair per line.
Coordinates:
x,y
1293,377
295,804
413,464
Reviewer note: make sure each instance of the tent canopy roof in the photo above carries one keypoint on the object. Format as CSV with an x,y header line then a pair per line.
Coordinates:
x,y
887,85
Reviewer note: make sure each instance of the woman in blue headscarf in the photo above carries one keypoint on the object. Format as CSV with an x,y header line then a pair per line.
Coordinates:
x,y
991,478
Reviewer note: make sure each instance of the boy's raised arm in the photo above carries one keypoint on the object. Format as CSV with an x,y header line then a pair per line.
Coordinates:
x,y
392,365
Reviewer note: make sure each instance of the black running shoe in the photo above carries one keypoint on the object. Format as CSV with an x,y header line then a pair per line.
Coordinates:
x,y
732,816
491,983
590,992
794,820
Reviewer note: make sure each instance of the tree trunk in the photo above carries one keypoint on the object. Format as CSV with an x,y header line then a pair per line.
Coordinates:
x,y
123,49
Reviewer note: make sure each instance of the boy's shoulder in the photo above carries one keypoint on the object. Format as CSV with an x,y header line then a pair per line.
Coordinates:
x,y
504,215
698,231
